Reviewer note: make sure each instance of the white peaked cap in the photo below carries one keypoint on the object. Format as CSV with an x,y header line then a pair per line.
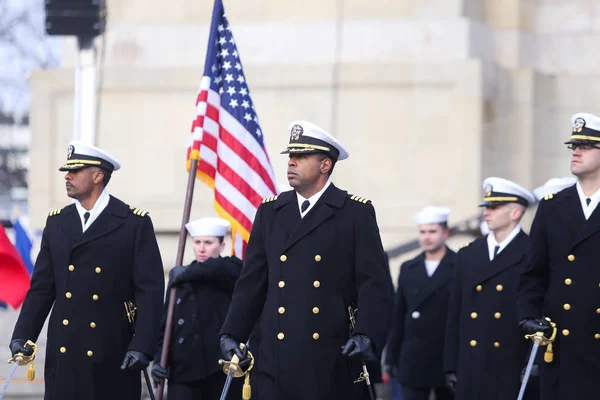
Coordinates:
x,y
499,191
308,138
82,155
432,215
208,227
553,185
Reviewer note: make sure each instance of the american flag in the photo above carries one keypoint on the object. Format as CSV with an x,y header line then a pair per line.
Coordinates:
x,y
226,135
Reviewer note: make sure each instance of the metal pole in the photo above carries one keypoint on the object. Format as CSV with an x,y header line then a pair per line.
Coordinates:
x,y
84,123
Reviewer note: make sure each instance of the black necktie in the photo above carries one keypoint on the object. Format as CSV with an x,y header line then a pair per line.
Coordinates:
x,y
86,216
496,251
305,205
588,201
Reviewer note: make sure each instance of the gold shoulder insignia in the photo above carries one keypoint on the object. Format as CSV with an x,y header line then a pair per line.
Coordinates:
x,y
549,196
138,211
465,245
54,212
359,199
270,199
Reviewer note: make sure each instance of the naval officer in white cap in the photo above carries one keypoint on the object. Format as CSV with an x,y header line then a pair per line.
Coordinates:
x,y
416,344
314,254
485,350
562,279
204,290
96,254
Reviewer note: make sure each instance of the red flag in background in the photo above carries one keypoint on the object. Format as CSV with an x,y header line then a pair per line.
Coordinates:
x,y
14,278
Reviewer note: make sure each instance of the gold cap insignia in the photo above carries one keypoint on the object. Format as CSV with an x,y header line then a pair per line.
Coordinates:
x,y
296,132
488,190
578,125
70,151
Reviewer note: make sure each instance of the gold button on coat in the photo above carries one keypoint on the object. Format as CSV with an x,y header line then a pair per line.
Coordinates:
x,y
478,288
92,325
499,288
316,283
571,257
71,268
568,281
280,336
95,297
473,315
565,332
90,353
496,344
317,258
281,284
68,295
473,343
283,258
315,310
65,322
315,336
597,310
497,315
567,307
597,336
281,310
63,349
98,270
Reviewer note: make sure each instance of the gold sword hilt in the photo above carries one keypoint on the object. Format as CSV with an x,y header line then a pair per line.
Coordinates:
x,y
130,309
22,360
233,366
545,341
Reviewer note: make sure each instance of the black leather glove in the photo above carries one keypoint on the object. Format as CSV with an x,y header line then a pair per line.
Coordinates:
x,y
451,381
19,346
135,360
359,347
230,346
176,274
158,373
533,325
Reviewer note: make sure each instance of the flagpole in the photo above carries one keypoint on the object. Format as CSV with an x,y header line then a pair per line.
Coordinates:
x,y
189,194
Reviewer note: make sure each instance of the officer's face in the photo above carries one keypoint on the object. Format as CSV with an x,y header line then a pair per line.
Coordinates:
x,y
206,247
432,237
585,159
80,183
304,170
502,216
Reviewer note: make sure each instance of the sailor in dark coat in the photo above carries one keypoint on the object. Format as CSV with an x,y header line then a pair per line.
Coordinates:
x,y
96,254
562,280
416,344
204,290
485,351
313,253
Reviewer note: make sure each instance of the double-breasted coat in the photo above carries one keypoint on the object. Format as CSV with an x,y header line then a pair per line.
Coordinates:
x,y
562,282
86,278
416,344
484,345
301,275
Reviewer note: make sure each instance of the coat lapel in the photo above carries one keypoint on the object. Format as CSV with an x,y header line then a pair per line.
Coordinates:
x,y
440,277
509,256
589,227
568,208
322,211
288,214
71,224
110,219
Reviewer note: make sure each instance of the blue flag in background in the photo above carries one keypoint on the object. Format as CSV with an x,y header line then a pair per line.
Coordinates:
x,y
23,243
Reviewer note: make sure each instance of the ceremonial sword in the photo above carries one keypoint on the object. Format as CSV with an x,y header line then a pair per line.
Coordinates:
x,y
538,339
233,370
364,375
20,359
130,310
